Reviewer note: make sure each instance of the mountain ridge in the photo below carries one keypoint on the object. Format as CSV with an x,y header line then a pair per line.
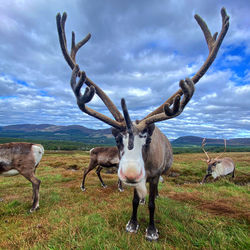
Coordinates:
x,y
196,140
102,136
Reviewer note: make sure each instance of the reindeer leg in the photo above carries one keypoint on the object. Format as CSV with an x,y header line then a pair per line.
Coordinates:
x,y
204,179
132,226
151,231
35,185
157,192
98,172
120,188
91,166
233,174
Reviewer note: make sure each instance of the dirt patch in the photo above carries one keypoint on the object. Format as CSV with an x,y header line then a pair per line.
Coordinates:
x,y
72,184
221,207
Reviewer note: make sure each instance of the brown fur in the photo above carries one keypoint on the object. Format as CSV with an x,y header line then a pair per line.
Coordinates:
x,y
19,156
12,152
159,157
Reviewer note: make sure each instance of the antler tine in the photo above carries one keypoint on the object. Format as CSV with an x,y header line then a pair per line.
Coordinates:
x,y
87,97
225,146
213,44
187,87
202,147
70,58
75,48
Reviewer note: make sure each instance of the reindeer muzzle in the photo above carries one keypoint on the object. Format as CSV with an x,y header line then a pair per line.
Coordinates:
x,y
131,177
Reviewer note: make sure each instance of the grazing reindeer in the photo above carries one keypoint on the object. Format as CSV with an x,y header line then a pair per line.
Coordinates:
x,y
103,157
22,158
218,166
145,152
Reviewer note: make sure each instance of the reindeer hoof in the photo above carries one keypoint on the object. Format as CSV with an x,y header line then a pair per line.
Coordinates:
x,y
1,199
83,189
34,209
132,226
121,189
152,234
104,185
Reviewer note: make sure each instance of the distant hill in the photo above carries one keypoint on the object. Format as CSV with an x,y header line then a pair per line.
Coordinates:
x,y
54,132
77,133
196,141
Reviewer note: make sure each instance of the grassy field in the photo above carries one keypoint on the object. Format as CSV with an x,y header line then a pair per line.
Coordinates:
x,y
188,215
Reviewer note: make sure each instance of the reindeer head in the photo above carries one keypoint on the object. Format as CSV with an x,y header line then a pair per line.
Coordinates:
x,y
133,138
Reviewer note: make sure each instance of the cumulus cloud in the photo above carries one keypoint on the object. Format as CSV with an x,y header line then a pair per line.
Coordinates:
x,y
139,50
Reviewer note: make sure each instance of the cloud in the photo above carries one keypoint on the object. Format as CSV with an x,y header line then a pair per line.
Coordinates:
x,y
139,50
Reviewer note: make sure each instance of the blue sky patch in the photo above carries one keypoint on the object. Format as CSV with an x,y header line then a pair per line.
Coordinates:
x,y
21,82
238,60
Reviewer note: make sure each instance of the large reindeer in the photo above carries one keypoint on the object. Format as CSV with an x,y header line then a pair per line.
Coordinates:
x,y
218,166
22,158
145,152
103,157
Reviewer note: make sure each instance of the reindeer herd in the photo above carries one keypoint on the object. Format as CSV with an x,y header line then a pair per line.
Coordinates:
x,y
142,153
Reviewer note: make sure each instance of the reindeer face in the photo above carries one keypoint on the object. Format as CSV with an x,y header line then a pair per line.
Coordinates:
x,y
132,148
211,166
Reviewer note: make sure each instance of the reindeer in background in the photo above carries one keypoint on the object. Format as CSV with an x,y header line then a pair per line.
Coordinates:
x,y
145,152
218,166
22,158
103,157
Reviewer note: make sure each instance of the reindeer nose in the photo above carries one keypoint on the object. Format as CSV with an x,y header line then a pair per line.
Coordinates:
x,y
131,176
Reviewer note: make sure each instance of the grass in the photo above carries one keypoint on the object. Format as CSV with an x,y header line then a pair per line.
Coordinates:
x,y
188,215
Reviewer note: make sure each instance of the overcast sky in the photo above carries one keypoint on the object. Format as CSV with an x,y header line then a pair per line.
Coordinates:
x,y
139,50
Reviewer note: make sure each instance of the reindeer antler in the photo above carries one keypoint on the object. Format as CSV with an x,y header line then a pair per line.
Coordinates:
x,y
225,146
213,45
92,87
202,147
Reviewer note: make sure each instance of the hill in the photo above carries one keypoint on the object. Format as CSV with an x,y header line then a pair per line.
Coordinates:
x,y
59,133
74,136
196,141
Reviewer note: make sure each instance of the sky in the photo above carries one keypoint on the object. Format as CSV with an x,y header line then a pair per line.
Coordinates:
x,y
139,50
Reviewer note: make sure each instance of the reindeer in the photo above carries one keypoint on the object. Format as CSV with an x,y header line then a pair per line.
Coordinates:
x,y
103,157
145,152
218,166
22,158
